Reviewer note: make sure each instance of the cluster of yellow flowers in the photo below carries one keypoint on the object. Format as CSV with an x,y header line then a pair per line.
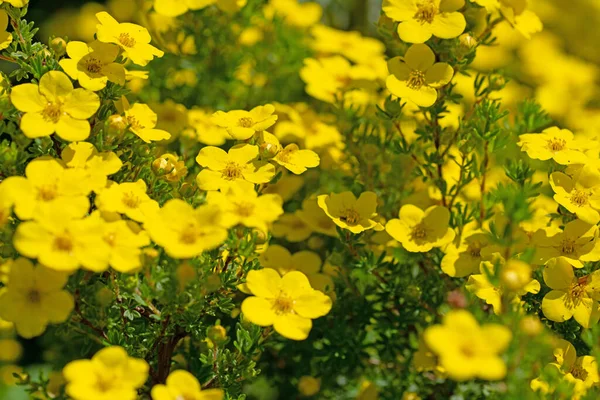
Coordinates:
x,y
393,170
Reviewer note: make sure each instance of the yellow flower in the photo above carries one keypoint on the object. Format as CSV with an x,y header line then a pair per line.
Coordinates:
x,y
62,241
5,37
580,196
204,128
309,385
185,232
571,296
293,13
222,169
421,19
465,259
467,350
10,350
417,76
174,8
350,213
316,218
183,385
132,38
419,231
296,160
240,204
575,242
288,303
554,143
96,167
124,239
110,374
242,125
34,298
93,64
142,121
492,294
47,185
292,228
127,198
15,3
54,106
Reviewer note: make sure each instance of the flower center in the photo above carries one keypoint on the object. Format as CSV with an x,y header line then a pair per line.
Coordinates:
x,y
244,209
576,292
134,123
52,112
474,249
567,246
232,171
579,373
245,122
131,200
189,234
47,192
285,154
416,79
93,66
34,296
467,350
63,243
419,232
283,305
426,12
579,197
350,216
110,239
556,144
126,40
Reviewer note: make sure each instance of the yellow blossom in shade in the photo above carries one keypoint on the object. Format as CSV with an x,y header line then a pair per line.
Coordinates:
x,y
287,186
54,106
575,242
128,198
5,37
308,385
62,241
174,8
181,384
571,296
47,185
142,121
493,295
222,169
93,64
581,196
240,204
467,350
279,258
417,76
296,160
15,3
419,231
294,13
421,19
110,374
185,232
351,213
554,143
242,125
288,303
316,218
465,259
292,228
10,350
96,167
368,391
133,39
125,240
34,298
204,129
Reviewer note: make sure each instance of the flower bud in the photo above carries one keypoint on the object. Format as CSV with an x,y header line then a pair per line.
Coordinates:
x,y
185,274
515,275
116,125
309,386
217,334
531,326
467,42
164,164
59,46
104,296
213,283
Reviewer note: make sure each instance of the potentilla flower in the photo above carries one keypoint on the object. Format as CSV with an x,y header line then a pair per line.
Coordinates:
x,y
240,164
316,218
128,198
93,64
54,106
181,385
348,212
580,196
142,121
296,160
110,374
174,8
467,350
421,19
417,76
185,232
96,167
465,259
571,296
420,231
574,243
242,125
554,143
288,303
125,240
133,39
5,37
34,297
